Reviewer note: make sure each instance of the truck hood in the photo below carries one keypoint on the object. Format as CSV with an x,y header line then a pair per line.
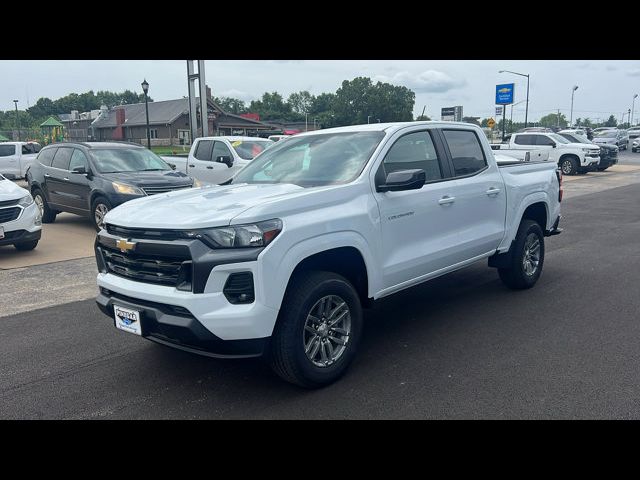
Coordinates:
x,y
590,146
10,191
209,206
605,140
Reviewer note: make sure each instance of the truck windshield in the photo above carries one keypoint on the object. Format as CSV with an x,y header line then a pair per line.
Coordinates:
x,y
115,160
313,160
559,138
248,149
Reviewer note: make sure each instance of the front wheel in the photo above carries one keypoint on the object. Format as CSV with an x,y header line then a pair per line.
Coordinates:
x,y
25,246
527,257
569,166
99,208
318,330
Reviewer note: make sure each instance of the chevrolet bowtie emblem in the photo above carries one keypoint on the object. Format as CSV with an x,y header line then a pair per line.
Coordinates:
x,y
124,245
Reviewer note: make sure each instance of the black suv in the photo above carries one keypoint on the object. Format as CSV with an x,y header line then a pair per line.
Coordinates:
x,y
92,178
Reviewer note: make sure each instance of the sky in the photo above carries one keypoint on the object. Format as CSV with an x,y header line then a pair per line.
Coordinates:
x,y
605,87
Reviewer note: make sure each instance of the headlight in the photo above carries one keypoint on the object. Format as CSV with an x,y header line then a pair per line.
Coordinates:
x,y
126,189
26,200
239,236
586,150
197,183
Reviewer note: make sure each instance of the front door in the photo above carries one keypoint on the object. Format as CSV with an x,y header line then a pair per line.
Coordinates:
x,y
418,226
203,165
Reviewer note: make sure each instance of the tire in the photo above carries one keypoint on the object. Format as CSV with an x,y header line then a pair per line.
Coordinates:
x,y
48,214
568,165
288,355
98,211
25,246
602,169
516,276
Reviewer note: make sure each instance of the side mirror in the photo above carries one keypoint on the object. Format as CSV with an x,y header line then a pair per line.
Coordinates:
x,y
226,159
403,180
173,166
79,170
553,145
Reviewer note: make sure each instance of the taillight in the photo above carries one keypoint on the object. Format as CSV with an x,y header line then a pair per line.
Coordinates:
x,y
560,190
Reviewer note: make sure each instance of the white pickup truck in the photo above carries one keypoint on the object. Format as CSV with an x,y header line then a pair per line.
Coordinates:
x,y
216,159
282,259
17,157
571,158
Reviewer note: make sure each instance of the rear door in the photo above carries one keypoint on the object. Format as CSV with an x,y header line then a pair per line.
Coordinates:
x,y
480,199
9,160
57,177
78,186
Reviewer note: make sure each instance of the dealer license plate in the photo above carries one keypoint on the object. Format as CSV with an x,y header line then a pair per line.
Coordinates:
x,y
127,319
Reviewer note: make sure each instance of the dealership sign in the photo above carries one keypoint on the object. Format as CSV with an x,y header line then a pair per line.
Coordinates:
x,y
504,94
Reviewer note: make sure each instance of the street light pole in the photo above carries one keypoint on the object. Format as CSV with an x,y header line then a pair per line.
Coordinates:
x,y
629,118
306,124
145,88
526,112
632,107
17,118
573,91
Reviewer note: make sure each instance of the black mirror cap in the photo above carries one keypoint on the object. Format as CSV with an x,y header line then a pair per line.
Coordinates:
x,y
403,180
226,159
79,170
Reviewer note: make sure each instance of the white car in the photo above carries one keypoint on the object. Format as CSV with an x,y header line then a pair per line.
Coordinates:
x,y
276,138
20,218
217,159
17,157
282,259
635,145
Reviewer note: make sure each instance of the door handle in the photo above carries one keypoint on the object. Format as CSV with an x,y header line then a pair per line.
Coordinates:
x,y
46,175
210,168
66,178
446,200
493,191
192,166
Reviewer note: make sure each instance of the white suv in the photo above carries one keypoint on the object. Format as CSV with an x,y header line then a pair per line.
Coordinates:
x,y
20,218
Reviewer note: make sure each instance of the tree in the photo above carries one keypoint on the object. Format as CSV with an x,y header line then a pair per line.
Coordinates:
x,y
611,122
300,102
231,105
473,120
422,118
271,107
587,123
359,100
551,120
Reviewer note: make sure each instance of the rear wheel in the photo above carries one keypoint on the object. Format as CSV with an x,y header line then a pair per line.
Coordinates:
x,y
99,208
48,214
318,330
24,246
569,165
527,257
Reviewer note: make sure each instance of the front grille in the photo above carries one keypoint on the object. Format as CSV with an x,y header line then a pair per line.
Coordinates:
x,y
144,233
164,189
8,203
167,271
9,214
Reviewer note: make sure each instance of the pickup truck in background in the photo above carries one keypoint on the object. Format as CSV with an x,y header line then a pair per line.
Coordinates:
x,y
17,157
216,159
571,158
281,261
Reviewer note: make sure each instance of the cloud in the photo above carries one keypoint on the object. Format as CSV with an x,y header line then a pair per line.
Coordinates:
x,y
233,93
611,68
429,81
583,66
634,72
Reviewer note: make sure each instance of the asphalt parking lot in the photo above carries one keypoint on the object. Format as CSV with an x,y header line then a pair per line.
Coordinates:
x,y
461,346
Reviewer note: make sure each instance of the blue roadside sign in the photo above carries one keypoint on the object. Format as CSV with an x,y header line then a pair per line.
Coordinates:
x,y
504,94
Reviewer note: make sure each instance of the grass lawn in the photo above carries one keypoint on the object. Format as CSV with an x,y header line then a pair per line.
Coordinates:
x,y
174,150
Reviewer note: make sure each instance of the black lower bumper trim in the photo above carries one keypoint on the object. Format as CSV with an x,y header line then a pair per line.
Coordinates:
x,y
176,327
19,236
554,229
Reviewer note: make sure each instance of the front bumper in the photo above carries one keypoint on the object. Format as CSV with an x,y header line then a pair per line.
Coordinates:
x,y
25,228
177,327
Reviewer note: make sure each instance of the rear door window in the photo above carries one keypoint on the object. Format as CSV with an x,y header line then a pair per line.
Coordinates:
x,y
61,159
467,155
45,156
7,150
203,150
524,140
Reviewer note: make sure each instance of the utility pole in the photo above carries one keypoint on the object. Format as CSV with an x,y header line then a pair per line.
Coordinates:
x,y
17,118
558,118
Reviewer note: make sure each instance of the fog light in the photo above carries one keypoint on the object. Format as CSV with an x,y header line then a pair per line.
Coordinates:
x,y
239,288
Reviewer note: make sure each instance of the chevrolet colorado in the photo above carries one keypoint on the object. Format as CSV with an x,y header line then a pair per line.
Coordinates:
x,y
281,260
